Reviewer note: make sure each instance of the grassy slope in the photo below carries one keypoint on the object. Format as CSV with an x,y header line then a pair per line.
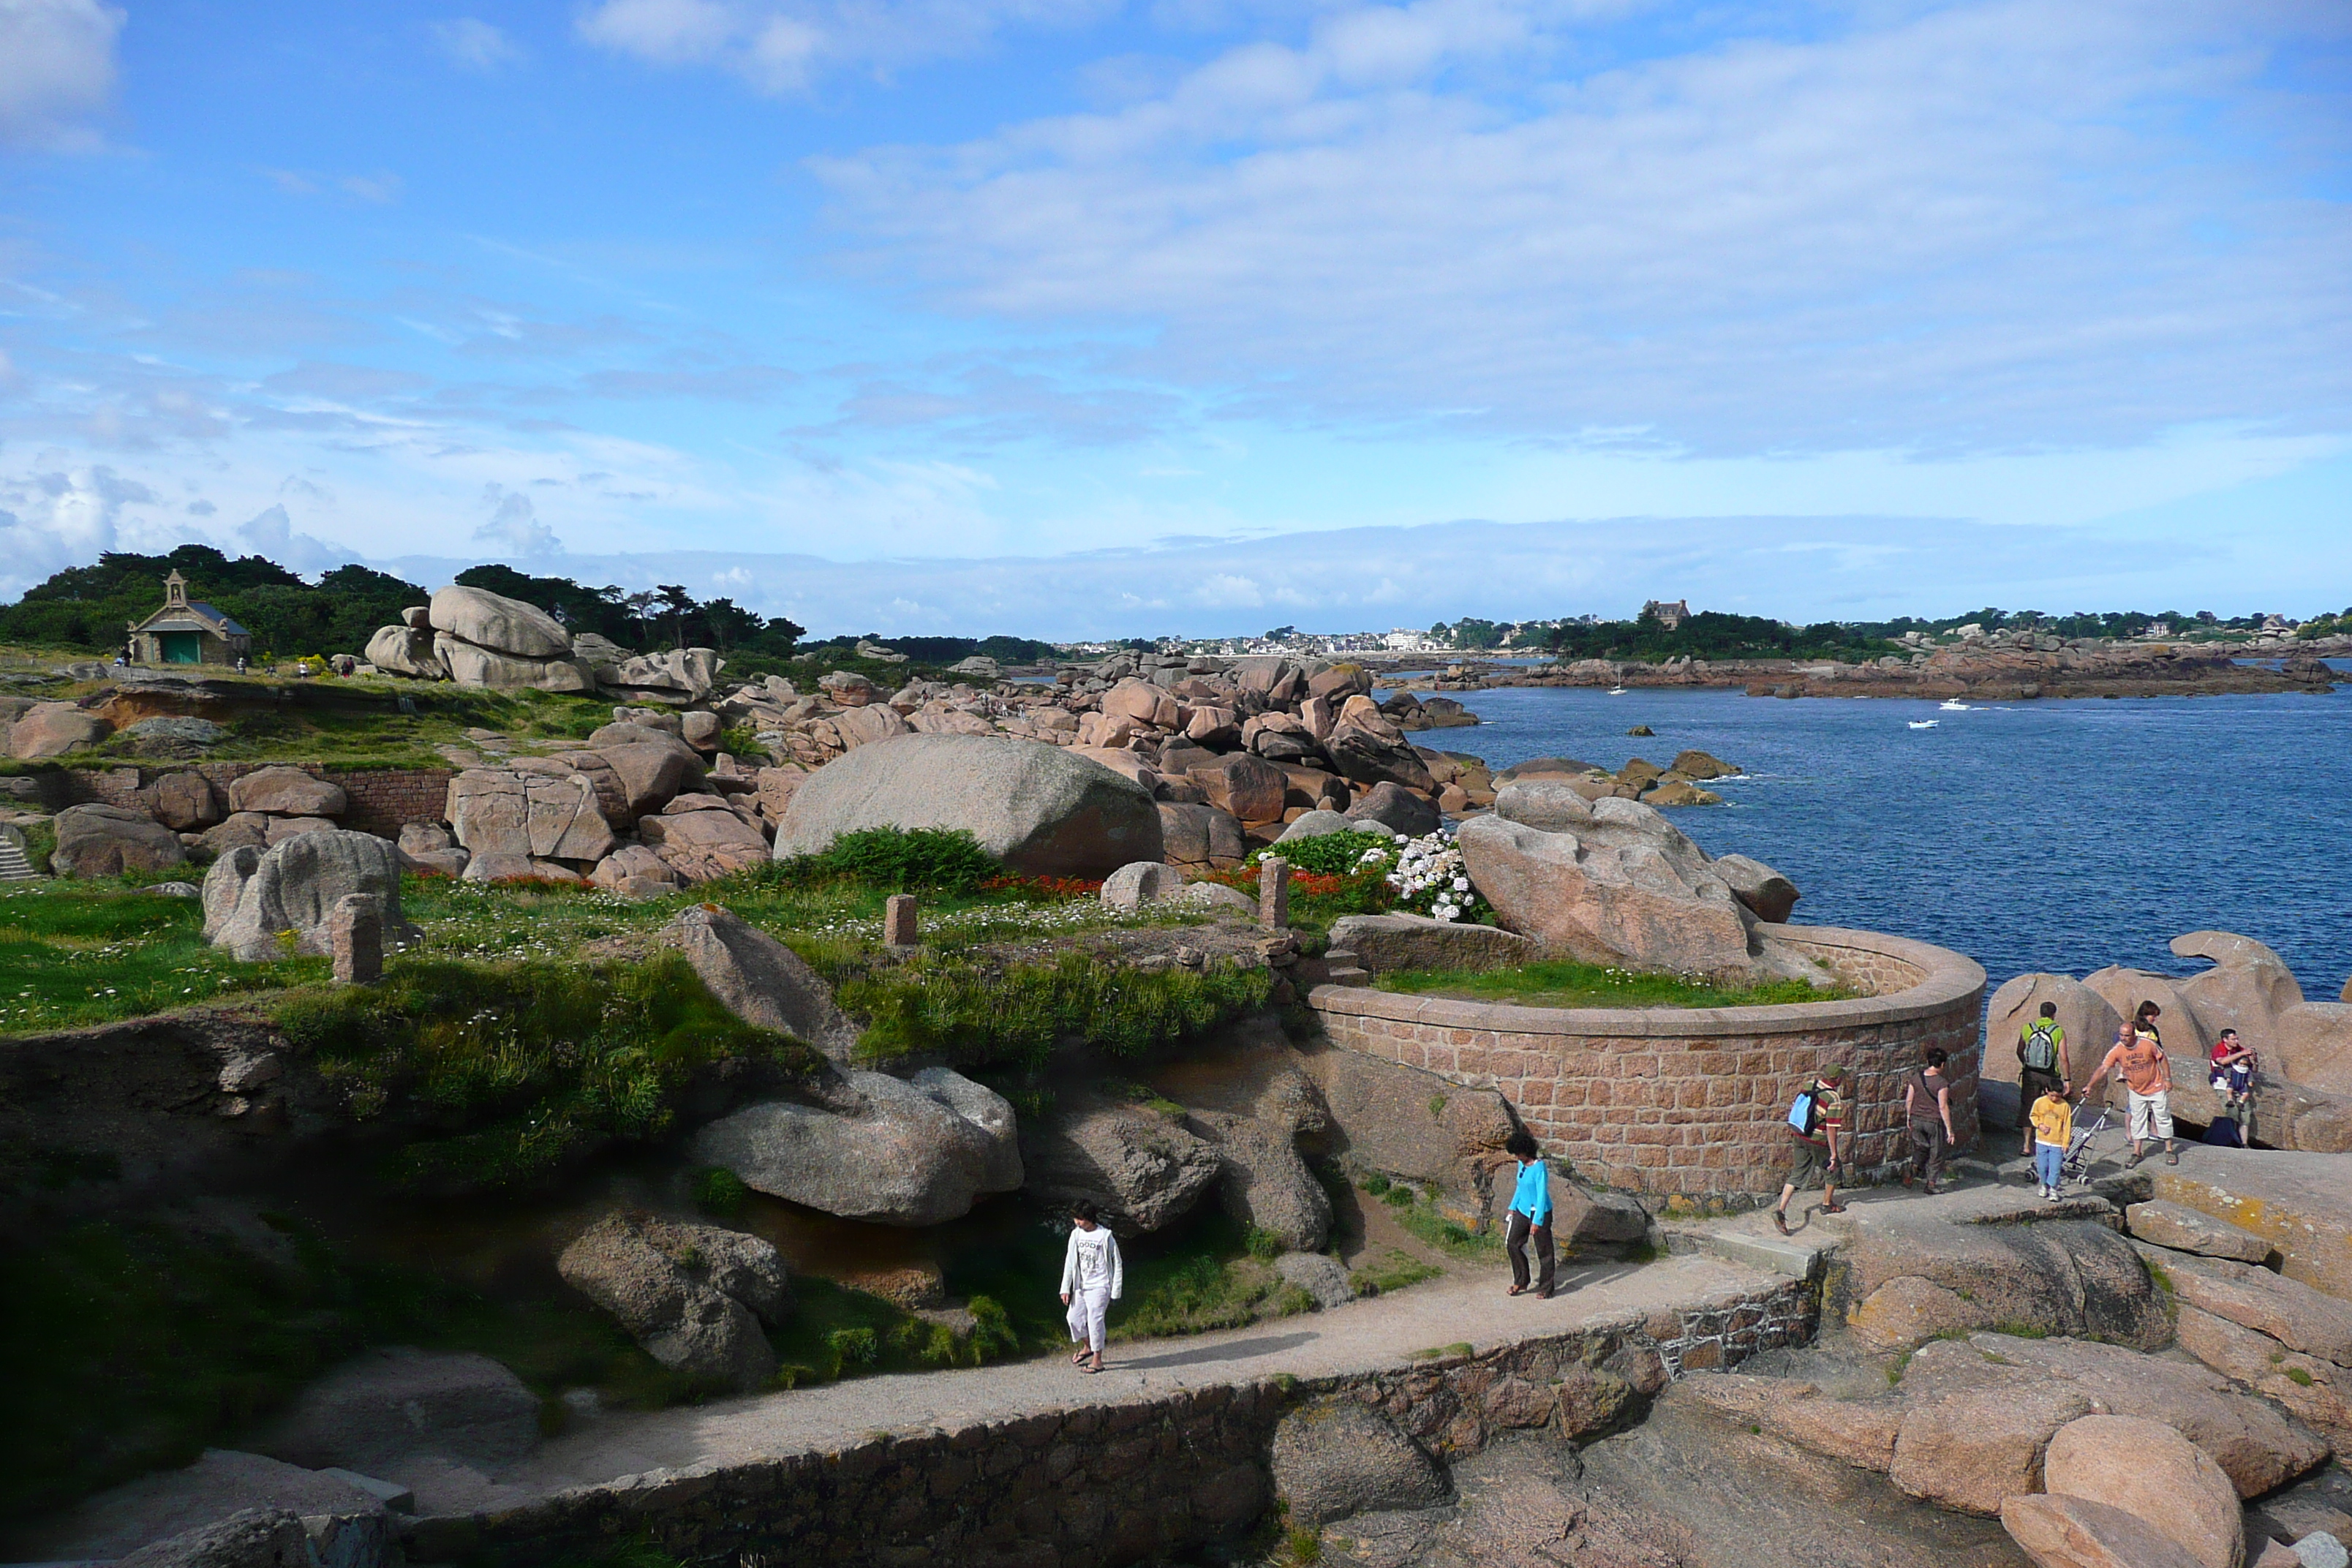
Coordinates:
x,y
1567,984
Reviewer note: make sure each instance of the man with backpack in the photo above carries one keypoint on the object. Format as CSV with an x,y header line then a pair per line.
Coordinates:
x,y
1816,1143
2040,1067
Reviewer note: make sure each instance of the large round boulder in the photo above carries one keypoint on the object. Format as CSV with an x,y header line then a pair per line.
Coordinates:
x,y
2147,1468
493,621
760,980
893,1151
1138,1167
1340,1456
2089,1022
53,729
283,791
108,840
405,651
1630,889
1040,810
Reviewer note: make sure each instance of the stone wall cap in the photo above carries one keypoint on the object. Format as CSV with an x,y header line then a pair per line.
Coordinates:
x,y
1948,978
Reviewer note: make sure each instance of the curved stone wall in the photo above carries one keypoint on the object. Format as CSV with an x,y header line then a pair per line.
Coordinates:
x,y
1678,1103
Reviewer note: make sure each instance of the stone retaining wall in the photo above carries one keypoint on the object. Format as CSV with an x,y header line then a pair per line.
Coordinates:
x,y
1111,1483
382,799
1686,1105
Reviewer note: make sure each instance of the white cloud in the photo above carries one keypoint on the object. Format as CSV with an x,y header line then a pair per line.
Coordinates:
x,y
1991,226
474,43
54,517
57,70
514,525
270,532
780,45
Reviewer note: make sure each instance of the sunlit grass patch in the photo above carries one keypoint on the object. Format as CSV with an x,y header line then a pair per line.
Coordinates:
x,y
1563,984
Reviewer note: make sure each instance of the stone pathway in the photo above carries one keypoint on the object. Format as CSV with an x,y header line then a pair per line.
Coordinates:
x,y
1468,1307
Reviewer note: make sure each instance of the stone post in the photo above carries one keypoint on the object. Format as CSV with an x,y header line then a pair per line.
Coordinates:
x,y
1273,893
355,937
899,932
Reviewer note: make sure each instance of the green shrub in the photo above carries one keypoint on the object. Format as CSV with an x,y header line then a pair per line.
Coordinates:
x,y
510,1070
720,1191
976,1012
1263,1244
992,1332
896,860
1376,1184
1327,854
861,1347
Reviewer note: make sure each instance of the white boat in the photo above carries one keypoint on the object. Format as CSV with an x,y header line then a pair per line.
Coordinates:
x,y
1925,723
1616,691
1952,705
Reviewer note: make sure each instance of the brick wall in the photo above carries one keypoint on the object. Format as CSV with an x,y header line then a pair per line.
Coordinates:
x,y
1688,1105
1111,1483
382,799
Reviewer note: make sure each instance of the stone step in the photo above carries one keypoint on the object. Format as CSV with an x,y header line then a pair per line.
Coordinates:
x,y
14,866
1773,1254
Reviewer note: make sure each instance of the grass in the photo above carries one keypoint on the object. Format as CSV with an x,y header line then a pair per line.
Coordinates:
x,y
514,1070
358,723
1561,984
837,1332
136,1345
1396,1271
77,955
1452,1237
979,1013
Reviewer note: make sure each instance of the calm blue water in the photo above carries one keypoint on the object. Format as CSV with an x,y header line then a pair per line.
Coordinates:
x,y
2057,835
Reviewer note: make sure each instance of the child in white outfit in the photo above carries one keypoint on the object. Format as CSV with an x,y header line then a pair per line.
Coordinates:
x,y
1092,1278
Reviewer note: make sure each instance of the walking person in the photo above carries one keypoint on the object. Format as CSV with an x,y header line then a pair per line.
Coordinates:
x,y
2040,1067
1531,1217
1092,1278
2147,1073
1816,1143
1927,1116
2052,1121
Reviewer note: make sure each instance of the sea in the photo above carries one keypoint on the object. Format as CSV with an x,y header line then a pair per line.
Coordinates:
x,y
2055,836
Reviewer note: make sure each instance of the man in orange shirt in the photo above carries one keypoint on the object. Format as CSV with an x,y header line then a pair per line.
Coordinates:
x,y
2147,1073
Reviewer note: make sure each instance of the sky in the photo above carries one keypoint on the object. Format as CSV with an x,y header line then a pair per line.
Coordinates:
x,y
1076,318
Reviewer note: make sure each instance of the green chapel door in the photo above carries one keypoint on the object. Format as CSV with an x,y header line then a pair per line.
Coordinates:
x,y
182,648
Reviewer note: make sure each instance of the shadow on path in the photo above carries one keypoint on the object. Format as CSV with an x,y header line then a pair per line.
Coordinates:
x,y
1240,1349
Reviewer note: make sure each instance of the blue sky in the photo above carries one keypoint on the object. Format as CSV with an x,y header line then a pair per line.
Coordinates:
x,y
1072,316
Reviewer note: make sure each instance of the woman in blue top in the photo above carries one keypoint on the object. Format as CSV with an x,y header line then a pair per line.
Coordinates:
x,y
1530,1214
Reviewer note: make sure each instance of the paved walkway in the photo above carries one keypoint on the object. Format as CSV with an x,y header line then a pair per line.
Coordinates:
x,y
1362,1336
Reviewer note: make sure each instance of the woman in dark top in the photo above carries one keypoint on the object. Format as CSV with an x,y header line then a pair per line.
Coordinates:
x,y
1927,1115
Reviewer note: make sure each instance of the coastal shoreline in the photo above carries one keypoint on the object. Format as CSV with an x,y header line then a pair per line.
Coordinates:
x,y
1981,673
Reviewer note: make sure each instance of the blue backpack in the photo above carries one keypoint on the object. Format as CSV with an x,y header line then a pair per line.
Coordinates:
x,y
1805,1115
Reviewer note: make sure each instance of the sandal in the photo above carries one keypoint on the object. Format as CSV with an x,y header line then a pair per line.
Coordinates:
x,y
1833,1208
1516,1290
1781,1221
2172,1158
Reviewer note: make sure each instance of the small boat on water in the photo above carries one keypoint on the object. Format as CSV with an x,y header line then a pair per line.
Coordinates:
x,y
1925,723
1952,705
1616,691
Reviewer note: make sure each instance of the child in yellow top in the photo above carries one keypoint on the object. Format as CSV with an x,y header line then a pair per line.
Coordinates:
x,y
2053,1128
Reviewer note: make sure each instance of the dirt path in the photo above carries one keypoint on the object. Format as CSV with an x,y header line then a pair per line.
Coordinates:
x,y
1466,1306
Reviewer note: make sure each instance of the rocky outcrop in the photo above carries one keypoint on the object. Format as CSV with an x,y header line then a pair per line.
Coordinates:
x,y
287,791
694,1296
702,837
1338,1458
1623,887
53,729
1139,1167
1038,809
493,621
873,1147
1200,836
1265,1184
253,897
503,812
1403,1122
2181,1228
405,651
1385,942
2089,1022
760,980
1907,1281
1769,895
2149,1470
1392,805
108,840
388,1406
184,802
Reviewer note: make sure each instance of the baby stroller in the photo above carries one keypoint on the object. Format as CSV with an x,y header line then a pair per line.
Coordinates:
x,y
2079,1153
